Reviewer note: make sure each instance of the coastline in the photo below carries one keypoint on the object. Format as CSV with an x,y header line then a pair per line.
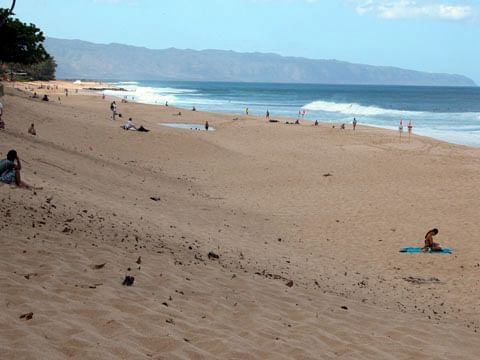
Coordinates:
x,y
95,88
449,118
324,208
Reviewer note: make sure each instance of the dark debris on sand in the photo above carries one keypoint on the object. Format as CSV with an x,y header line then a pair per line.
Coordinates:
x,y
128,281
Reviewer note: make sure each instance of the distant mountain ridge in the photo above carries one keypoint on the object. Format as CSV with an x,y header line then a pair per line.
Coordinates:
x,y
86,60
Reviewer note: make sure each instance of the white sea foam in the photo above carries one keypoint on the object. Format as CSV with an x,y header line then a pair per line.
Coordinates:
x,y
147,94
355,109
126,83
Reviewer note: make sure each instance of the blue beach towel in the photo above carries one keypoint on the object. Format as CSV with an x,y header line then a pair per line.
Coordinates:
x,y
418,250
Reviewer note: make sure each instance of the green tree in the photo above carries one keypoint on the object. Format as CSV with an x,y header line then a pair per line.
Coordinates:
x,y
20,42
44,70
4,16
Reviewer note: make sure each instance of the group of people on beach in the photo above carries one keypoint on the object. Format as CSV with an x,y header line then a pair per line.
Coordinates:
x,y
10,167
302,114
129,125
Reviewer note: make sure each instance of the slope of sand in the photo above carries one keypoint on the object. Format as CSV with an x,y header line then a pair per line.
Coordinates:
x,y
255,194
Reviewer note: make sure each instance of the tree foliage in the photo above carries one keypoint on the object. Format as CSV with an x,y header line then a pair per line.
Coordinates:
x,y
4,16
43,71
20,42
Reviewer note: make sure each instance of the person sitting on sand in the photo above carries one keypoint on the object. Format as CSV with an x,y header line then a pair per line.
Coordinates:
x,y
31,130
129,125
34,96
316,123
297,122
45,97
429,243
10,170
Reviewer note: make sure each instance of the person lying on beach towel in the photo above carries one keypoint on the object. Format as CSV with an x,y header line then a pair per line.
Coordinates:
x,y
429,243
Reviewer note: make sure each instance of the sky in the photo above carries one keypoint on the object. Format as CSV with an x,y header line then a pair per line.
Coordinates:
x,y
426,35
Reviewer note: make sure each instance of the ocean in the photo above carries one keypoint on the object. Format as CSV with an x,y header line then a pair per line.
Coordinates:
x,y
451,114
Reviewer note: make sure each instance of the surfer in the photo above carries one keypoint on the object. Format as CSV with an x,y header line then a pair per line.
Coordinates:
x,y
429,243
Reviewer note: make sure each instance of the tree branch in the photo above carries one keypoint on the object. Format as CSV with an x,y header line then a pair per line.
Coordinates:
x,y
8,13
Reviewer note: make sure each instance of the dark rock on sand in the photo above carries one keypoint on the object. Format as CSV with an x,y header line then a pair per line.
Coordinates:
x,y
27,316
212,255
128,281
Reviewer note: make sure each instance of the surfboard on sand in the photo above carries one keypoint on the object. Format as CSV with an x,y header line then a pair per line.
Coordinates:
x,y
418,250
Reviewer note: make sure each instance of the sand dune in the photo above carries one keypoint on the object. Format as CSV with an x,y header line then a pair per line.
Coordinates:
x,y
256,195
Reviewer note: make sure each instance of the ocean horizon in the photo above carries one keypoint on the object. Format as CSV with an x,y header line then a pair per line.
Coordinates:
x,y
450,114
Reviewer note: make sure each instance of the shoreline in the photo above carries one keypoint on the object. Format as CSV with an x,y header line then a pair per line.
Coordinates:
x,y
281,119
455,137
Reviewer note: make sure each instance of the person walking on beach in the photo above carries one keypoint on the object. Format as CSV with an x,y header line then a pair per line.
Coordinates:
x,y
206,125
246,111
429,243
113,108
267,115
10,170
354,124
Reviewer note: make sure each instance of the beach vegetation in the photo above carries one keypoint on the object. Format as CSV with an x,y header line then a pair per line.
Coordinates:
x,y
22,50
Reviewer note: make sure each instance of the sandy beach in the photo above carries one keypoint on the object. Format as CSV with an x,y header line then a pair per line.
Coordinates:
x,y
262,240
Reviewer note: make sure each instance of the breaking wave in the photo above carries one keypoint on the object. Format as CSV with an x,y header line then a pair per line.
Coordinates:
x,y
356,109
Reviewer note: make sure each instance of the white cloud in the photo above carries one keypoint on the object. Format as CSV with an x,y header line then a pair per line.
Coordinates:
x,y
398,9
